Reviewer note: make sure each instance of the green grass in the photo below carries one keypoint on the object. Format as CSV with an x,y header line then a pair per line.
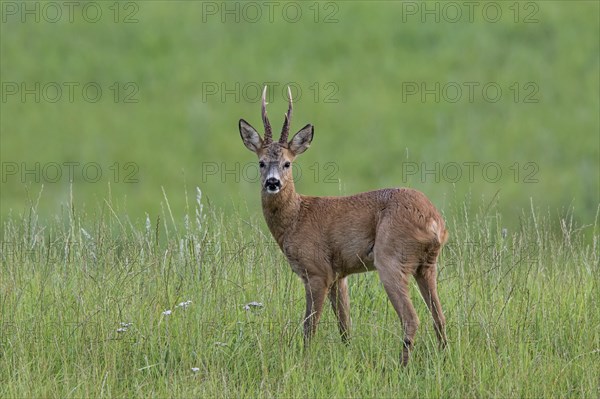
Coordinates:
x,y
176,128
520,310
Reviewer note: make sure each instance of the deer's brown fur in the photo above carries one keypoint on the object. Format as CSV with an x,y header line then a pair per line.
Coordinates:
x,y
397,232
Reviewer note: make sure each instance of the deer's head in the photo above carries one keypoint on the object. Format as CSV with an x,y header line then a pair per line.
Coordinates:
x,y
275,158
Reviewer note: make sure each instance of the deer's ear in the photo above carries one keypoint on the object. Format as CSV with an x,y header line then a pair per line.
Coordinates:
x,y
250,136
301,140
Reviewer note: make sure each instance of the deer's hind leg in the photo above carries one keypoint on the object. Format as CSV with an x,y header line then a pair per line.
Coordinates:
x,y
395,270
426,280
340,303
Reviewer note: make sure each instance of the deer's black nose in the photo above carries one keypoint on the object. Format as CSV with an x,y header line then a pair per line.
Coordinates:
x,y
272,184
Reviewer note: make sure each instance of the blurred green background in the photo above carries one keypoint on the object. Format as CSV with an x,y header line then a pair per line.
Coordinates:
x,y
386,84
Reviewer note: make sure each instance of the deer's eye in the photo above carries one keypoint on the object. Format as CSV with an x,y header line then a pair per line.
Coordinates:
x,y
261,164
286,165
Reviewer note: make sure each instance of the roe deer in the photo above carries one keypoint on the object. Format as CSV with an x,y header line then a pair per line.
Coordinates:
x,y
397,232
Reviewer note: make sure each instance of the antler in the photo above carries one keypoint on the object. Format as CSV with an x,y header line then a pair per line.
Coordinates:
x,y
288,120
268,133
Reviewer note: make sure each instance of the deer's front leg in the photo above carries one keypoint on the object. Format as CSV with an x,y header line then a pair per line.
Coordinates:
x,y
316,291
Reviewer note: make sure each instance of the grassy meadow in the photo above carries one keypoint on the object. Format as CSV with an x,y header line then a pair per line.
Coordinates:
x,y
98,306
126,193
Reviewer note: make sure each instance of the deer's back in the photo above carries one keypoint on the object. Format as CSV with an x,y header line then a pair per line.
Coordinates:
x,y
342,231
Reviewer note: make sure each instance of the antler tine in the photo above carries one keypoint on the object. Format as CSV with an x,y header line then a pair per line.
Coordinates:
x,y
268,133
288,119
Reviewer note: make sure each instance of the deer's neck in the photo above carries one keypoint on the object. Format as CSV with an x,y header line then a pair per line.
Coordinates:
x,y
281,211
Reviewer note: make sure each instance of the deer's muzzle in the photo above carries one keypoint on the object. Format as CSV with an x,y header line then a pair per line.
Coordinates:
x,y
272,185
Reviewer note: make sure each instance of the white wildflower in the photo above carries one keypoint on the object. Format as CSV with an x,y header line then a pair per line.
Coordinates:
x,y
184,305
124,327
253,304
167,312
195,369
